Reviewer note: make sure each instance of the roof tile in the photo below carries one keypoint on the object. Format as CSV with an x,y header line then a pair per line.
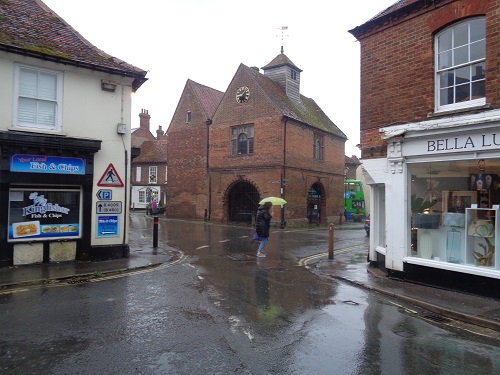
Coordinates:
x,y
31,26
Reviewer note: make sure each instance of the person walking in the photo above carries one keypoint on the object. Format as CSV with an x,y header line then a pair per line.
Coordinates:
x,y
262,226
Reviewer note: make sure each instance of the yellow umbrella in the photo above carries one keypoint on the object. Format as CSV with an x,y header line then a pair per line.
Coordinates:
x,y
276,201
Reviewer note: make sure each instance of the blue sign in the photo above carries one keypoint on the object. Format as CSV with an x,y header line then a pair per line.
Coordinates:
x,y
46,164
107,226
104,195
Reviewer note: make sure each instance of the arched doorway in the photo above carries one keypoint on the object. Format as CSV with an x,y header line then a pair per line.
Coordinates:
x,y
315,203
243,201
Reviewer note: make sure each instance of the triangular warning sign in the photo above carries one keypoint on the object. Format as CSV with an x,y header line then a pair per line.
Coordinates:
x,y
110,177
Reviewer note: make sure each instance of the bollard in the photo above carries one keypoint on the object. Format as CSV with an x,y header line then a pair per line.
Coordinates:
x,y
330,242
155,231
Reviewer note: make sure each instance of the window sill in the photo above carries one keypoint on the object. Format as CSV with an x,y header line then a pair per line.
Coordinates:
x,y
35,130
459,110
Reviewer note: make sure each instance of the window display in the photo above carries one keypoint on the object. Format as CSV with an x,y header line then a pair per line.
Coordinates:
x,y
41,214
454,209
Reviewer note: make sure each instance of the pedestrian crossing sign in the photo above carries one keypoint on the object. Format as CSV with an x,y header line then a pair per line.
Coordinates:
x,y
110,177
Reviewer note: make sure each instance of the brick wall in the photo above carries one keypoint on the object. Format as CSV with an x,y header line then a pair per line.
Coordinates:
x,y
187,187
397,67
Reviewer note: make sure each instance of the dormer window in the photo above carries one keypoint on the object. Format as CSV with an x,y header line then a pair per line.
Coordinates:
x,y
188,117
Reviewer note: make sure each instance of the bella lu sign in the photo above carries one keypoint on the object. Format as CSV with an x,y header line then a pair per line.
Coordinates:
x,y
461,143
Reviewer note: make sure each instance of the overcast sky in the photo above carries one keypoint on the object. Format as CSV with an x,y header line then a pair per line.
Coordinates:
x,y
206,40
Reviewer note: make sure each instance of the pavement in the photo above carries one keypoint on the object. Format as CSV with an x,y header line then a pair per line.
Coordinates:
x,y
347,266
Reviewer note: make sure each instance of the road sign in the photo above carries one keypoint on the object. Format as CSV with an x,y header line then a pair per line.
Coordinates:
x,y
109,207
107,226
110,177
104,195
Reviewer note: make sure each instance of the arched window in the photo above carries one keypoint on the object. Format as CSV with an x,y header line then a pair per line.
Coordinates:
x,y
460,65
242,140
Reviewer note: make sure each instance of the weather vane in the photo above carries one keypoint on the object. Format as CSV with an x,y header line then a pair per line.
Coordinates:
x,y
282,28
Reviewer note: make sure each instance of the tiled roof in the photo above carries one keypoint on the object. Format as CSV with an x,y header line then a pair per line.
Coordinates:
x,y
388,16
31,28
209,98
281,60
308,113
398,5
139,136
352,160
153,152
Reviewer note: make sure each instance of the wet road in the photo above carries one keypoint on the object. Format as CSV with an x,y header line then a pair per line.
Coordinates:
x,y
220,311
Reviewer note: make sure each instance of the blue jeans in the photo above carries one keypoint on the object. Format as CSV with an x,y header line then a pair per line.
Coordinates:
x,y
262,244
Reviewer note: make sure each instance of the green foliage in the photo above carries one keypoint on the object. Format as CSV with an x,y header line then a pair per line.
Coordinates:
x,y
418,205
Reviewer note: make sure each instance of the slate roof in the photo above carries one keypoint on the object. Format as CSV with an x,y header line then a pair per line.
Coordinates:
x,y
153,152
397,10
29,27
308,113
209,98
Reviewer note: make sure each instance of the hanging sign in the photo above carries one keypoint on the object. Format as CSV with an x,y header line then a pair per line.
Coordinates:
x,y
110,177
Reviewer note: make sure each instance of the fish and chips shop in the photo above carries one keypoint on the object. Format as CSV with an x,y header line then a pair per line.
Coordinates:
x,y
48,187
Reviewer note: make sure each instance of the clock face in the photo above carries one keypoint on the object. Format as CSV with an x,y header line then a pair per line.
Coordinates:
x,y
242,94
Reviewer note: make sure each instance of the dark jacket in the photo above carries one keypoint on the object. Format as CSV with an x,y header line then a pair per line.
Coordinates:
x,y
263,222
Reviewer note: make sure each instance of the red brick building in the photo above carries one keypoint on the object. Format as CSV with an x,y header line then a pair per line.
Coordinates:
x,y
187,152
264,139
149,165
430,76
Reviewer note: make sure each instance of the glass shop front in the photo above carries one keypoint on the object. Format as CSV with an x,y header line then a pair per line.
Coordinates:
x,y
454,209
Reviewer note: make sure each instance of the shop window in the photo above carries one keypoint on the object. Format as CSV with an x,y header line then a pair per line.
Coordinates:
x,y
454,212
142,196
37,214
38,98
460,65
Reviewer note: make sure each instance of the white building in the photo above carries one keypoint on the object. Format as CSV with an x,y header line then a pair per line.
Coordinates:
x,y
65,112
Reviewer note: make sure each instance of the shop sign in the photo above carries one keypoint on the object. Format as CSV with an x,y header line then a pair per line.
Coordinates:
x,y
446,144
40,214
107,226
46,164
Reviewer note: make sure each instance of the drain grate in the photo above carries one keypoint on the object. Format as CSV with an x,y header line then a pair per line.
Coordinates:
x,y
436,318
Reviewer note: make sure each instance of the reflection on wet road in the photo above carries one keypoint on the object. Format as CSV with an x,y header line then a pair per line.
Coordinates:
x,y
222,311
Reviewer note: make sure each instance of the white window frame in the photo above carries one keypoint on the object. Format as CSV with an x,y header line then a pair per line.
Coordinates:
x,y
166,173
453,67
57,126
142,196
138,172
153,174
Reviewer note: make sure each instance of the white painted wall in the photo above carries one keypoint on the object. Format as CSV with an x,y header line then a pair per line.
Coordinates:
x,y
88,112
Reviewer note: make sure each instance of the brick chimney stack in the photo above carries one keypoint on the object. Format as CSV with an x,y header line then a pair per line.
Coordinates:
x,y
159,133
144,118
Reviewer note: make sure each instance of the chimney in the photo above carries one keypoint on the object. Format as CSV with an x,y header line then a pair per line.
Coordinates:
x,y
159,133
144,119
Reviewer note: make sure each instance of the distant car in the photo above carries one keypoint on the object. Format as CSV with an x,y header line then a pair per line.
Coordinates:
x,y
367,225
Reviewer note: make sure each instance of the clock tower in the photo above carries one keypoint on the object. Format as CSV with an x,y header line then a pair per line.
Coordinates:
x,y
284,72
